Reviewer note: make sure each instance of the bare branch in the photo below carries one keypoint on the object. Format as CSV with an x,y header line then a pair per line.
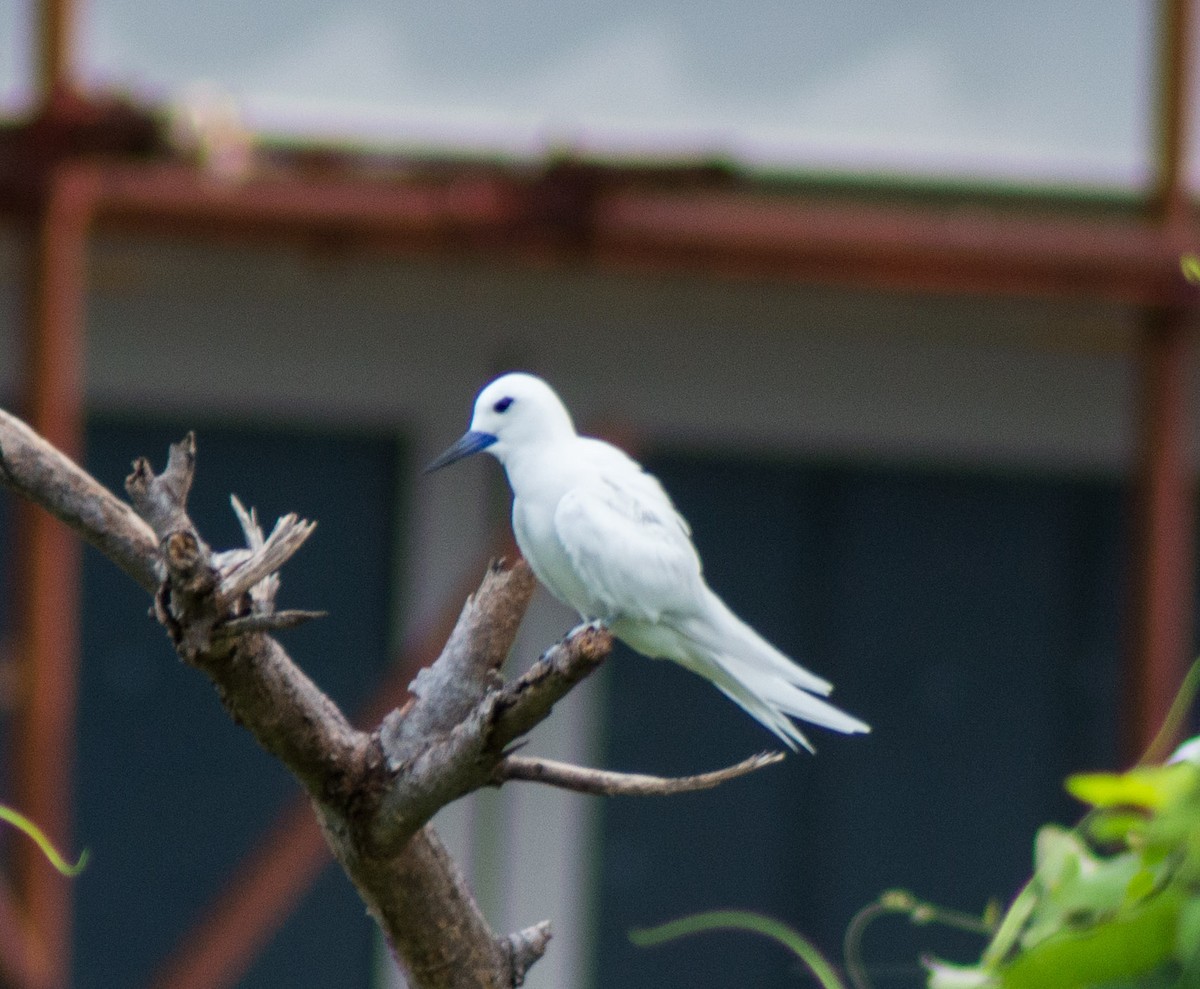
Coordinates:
x,y
256,679
468,667
529,700
272,622
289,534
605,783
33,468
440,764
525,947
441,939
419,897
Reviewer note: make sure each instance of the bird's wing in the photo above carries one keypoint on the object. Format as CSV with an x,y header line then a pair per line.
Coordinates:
x,y
627,544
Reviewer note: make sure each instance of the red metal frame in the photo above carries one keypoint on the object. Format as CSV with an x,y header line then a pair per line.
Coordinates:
x,y
84,162
1164,535
1164,554
625,221
49,556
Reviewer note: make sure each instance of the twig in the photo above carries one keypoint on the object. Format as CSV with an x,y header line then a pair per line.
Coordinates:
x,y
525,947
458,758
289,534
273,622
34,469
606,783
263,593
529,700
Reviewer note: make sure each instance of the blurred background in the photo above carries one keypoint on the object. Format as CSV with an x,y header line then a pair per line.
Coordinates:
x,y
889,296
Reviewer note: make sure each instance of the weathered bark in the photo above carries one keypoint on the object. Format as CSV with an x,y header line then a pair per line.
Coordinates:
x,y
374,792
35,470
603,783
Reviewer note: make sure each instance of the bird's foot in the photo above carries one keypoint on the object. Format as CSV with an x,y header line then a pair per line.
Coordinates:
x,y
592,625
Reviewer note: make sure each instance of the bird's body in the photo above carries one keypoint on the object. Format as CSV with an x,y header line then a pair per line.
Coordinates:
x,y
603,536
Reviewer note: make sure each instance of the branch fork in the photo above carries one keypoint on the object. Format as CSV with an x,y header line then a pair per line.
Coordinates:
x,y
374,792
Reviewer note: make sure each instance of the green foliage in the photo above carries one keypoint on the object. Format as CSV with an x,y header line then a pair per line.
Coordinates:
x,y
25,824
1114,902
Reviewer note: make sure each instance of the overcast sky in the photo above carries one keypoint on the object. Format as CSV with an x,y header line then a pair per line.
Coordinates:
x,y
1050,90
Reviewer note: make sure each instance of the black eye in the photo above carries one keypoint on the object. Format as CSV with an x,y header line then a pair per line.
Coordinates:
x,y
502,405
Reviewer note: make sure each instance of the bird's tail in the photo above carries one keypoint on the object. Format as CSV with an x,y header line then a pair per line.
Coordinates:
x,y
758,677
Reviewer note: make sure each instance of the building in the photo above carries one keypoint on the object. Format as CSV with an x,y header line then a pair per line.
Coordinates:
x,y
907,419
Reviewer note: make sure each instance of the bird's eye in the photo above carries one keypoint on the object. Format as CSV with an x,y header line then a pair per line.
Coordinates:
x,y
502,405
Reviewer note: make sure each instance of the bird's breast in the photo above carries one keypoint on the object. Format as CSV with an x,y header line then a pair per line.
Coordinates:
x,y
538,540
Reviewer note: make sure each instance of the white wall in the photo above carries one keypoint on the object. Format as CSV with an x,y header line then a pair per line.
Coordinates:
x,y
284,334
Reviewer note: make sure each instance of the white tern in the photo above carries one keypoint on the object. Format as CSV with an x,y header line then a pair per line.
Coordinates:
x,y
603,536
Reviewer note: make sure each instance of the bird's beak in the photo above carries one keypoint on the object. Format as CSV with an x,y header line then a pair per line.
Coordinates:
x,y
471,442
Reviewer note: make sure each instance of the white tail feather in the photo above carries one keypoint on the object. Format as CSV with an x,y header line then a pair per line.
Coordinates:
x,y
759,678
723,633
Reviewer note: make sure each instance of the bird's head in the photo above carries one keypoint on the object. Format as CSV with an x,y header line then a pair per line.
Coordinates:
x,y
515,412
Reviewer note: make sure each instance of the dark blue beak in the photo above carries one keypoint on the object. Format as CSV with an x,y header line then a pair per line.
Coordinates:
x,y
470,443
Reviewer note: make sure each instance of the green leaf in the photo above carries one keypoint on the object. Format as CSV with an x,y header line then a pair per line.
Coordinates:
x,y
1140,885
1187,936
1057,855
1112,827
1011,926
1148,787
1132,944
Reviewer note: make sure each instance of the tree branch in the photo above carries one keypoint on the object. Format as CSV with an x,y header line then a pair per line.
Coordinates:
x,y
457,755
374,793
256,679
36,470
525,947
605,783
468,668
529,700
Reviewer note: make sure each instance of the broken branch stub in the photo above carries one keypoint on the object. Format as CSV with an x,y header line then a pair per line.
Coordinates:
x,y
162,499
208,598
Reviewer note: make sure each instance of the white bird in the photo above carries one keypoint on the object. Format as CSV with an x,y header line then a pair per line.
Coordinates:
x,y
603,536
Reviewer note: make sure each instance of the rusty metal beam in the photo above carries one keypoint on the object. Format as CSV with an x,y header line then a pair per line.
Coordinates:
x,y
48,566
23,959
620,222
1170,202
56,48
1164,532
1164,557
951,249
